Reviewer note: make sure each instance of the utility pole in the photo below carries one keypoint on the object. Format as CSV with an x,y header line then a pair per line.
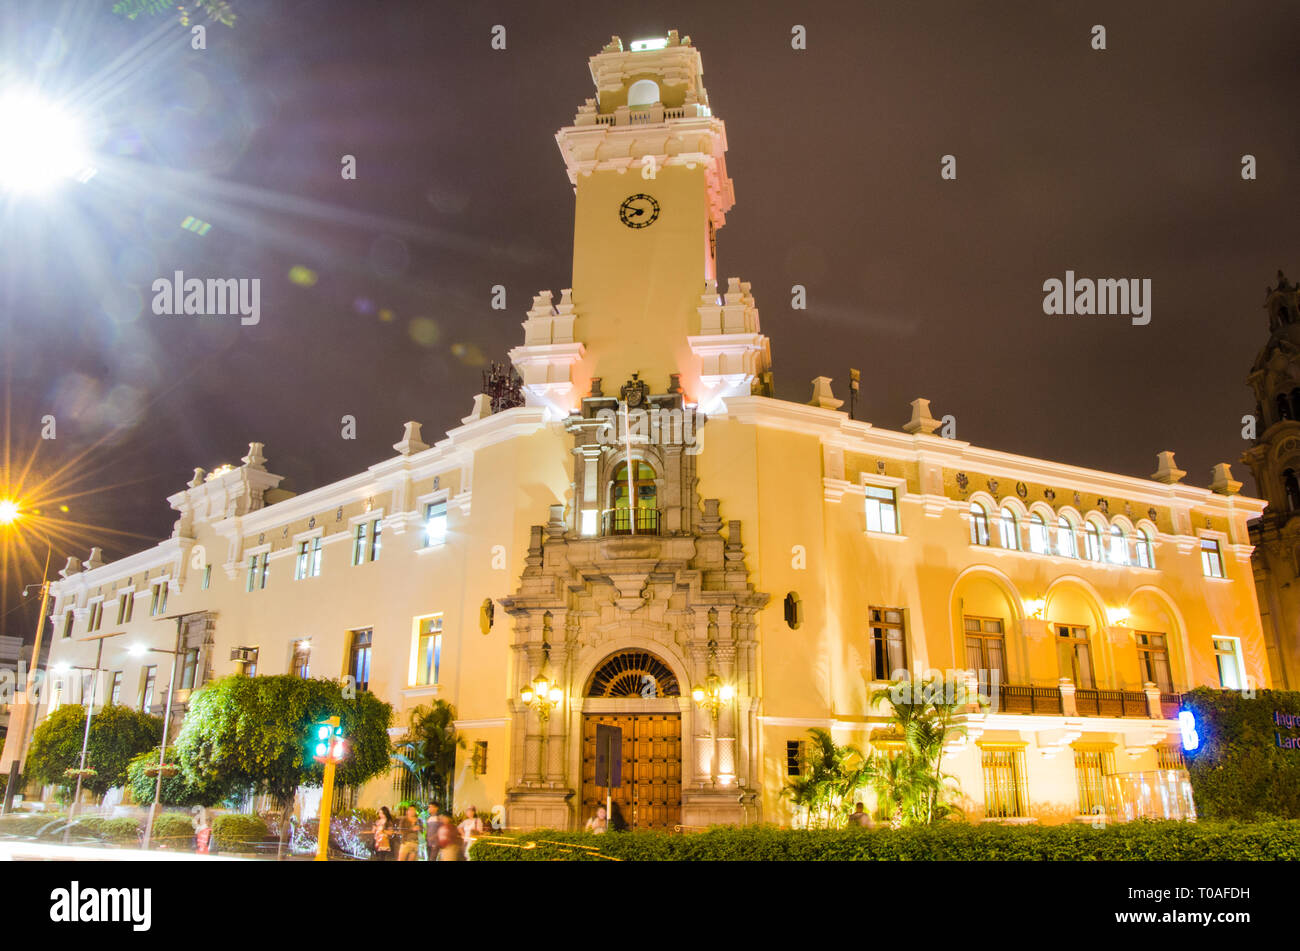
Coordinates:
x,y
20,733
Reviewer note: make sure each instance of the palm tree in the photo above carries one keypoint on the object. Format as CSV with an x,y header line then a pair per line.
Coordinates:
x,y
831,775
912,782
428,751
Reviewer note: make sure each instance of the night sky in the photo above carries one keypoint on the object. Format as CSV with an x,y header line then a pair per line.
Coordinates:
x,y
1120,163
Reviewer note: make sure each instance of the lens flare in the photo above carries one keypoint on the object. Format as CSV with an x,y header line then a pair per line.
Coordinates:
x,y
44,144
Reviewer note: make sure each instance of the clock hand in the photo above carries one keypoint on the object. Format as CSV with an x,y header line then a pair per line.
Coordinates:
x,y
637,212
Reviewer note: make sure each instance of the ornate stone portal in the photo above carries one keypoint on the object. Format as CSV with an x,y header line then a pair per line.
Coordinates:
x,y
637,562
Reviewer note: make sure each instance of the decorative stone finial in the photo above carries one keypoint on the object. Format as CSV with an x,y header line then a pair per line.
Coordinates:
x,y
615,45
482,409
197,481
1166,471
411,441
922,421
95,560
255,459
71,568
1221,480
822,395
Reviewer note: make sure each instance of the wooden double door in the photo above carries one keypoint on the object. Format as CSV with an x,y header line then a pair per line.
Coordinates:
x,y
651,794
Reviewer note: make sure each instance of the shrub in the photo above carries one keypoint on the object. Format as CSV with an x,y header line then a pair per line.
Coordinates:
x,y
1240,771
121,829
1139,841
238,833
172,830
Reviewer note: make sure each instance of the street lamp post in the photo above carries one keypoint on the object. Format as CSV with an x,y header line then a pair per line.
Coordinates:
x,y
85,737
713,695
28,720
542,694
162,747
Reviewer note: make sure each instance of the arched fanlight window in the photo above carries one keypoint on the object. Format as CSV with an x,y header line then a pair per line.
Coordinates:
x,y
1145,551
1118,546
641,487
633,673
1038,535
1092,539
1065,541
1009,529
979,524
642,93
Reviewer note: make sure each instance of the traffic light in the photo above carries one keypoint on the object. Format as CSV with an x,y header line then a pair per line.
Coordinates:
x,y
328,743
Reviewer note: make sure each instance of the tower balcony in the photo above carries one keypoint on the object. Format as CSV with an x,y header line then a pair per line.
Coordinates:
x,y
620,522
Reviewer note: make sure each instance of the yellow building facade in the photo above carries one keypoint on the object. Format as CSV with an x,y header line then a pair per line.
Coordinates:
x,y
652,541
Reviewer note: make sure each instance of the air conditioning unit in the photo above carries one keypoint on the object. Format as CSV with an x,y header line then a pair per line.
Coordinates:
x,y
244,655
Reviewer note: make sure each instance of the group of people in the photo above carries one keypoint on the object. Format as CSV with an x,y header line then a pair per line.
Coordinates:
x,y
399,839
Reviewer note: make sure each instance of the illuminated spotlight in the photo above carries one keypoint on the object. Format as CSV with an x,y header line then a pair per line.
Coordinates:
x,y
44,144
194,224
302,276
639,46
8,511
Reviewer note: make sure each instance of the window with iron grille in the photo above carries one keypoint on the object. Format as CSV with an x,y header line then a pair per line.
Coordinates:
x,y
1091,767
406,786
1005,787
1169,757
888,643
480,757
794,757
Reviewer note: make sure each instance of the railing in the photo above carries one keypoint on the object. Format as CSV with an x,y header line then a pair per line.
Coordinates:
x,y
1111,703
619,522
1170,704
1032,700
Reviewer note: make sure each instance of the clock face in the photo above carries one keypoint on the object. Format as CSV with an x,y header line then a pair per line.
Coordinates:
x,y
638,211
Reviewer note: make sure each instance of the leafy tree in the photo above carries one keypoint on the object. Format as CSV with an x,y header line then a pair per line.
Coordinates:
x,y
117,734
177,790
254,731
428,750
216,10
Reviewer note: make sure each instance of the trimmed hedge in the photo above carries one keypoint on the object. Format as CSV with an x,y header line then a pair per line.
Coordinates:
x,y
1240,771
173,831
1134,841
238,833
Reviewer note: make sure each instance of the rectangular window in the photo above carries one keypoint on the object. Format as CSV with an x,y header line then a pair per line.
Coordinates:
x,y
257,565
888,643
125,607
1169,757
1038,542
428,656
794,757
250,662
207,576
115,689
148,677
435,523
1227,655
1091,767
158,604
189,668
300,663
252,572
882,510
69,617
1211,558
304,557
1153,660
375,527
261,580
480,757
96,616
359,543
986,645
1005,789
1075,655
359,659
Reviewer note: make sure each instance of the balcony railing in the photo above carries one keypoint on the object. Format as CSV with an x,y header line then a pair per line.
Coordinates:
x,y
1111,703
1033,700
1170,704
619,522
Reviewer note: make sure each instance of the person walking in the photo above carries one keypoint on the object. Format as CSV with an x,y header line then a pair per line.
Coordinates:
x,y
861,818
598,823
409,826
451,848
471,827
431,826
383,835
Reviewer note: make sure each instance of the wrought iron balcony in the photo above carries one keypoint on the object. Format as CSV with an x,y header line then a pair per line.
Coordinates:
x,y
619,522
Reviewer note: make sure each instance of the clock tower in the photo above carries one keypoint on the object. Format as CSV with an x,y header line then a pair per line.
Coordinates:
x,y
646,158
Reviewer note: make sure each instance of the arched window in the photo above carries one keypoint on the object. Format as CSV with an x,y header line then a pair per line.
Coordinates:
x,y
620,518
793,611
1118,546
642,93
1145,551
633,673
1291,487
1065,542
1009,529
1038,535
979,524
1283,407
1092,538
